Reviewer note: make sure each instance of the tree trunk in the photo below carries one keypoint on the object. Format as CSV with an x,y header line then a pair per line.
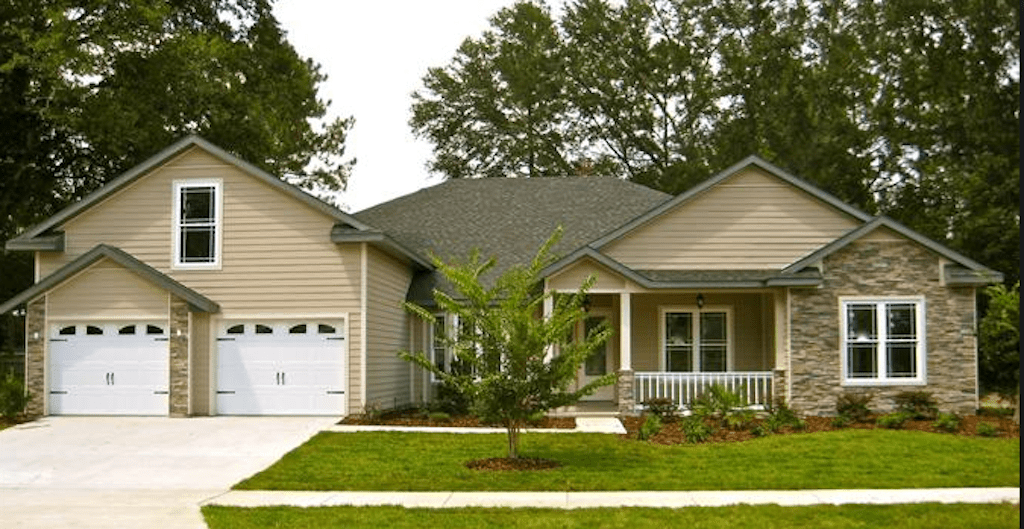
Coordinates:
x,y
513,440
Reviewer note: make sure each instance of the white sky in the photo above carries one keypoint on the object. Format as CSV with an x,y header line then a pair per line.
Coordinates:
x,y
375,53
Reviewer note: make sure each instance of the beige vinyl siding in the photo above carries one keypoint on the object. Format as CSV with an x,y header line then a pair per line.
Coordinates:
x,y
387,330
572,277
106,290
752,328
199,363
277,255
749,221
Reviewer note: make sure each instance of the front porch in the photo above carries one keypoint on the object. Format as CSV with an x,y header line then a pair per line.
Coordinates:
x,y
675,345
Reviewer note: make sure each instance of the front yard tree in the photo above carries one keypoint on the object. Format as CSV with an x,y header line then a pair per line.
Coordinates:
x,y
502,344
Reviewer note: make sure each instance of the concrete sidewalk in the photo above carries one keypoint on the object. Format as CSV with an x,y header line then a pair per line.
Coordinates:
x,y
578,500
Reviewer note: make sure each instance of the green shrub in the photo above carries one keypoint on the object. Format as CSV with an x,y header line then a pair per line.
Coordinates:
x,y
780,415
695,429
723,405
948,422
13,397
985,429
650,427
918,404
893,421
451,399
855,406
841,421
664,408
438,416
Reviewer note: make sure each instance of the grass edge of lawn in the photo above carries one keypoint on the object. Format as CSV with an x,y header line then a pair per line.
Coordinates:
x,y
414,462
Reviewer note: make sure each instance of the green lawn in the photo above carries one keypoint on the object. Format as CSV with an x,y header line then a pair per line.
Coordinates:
x,y
763,517
591,462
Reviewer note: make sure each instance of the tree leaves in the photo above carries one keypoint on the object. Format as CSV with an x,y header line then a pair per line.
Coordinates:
x,y
904,108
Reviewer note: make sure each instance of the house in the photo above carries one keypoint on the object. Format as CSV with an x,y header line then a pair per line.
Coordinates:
x,y
197,284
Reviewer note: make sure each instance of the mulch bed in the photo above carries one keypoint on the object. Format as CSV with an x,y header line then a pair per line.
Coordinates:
x,y
416,417
670,433
520,463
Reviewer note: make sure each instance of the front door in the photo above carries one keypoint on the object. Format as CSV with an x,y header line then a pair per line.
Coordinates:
x,y
599,363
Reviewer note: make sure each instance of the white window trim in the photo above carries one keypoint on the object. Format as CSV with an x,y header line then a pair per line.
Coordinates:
x,y
921,355
218,186
729,349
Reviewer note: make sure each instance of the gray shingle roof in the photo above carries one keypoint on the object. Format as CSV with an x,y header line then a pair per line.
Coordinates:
x,y
508,218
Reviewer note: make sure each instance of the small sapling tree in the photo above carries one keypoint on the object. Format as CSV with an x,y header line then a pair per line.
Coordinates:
x,y
504,348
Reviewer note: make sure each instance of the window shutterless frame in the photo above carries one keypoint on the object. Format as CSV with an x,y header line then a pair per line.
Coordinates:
x,y
693,339
197,224
882,341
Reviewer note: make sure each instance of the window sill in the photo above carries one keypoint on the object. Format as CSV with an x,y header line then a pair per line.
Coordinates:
x,y
196,266
858,382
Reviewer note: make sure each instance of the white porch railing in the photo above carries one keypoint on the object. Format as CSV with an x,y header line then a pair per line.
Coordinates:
x,y
683,388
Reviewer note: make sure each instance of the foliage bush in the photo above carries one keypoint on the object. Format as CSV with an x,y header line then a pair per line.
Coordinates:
x,y
726,407
695,429
948,422
13,397
650,427
855,406
666,409
780,415
438,416
985,429
918,404
451,399
841,421
893,421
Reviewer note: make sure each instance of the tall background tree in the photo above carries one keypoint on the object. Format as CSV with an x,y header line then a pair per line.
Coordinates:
x,y
905,108
91,88
909,109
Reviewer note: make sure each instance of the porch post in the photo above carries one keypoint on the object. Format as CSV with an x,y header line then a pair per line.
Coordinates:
x,y
548,308
624,386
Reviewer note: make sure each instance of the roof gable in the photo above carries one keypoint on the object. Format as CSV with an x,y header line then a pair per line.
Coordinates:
x,y
751,217
692,193
196,301
30,238
884,228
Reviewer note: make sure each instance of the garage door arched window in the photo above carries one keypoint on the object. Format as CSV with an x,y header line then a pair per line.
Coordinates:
x,y
236,329
298,329
126,330
323,328
67,331
154,329
93,330
264,329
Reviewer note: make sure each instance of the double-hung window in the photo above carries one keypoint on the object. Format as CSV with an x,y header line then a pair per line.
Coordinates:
x,y
696,340
883,341
197,224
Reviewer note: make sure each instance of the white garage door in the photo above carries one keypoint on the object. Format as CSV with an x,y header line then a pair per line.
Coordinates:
x,y
281,368
108,368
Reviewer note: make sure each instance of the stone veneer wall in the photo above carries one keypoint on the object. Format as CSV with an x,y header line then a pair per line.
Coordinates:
x,y
35,356
882,269
178,383
624,392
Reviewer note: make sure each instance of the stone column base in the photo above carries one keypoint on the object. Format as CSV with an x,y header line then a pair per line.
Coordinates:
x,y
624,392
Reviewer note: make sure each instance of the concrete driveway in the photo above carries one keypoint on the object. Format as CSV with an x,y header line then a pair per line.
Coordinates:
x,y
134,472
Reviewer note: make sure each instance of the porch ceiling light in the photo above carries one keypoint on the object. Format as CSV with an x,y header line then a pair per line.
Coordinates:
x,y
700,300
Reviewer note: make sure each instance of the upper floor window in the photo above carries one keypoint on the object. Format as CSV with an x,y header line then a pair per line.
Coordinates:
x,y
883,341
197,224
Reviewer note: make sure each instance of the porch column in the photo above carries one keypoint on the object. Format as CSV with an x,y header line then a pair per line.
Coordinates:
x,y
548,308
624,386
625,335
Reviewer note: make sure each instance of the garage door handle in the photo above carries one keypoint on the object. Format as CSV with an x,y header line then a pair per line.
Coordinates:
x,y
161,339
219,339
225,392
158,392
58,392
58,339
329,392
335,338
